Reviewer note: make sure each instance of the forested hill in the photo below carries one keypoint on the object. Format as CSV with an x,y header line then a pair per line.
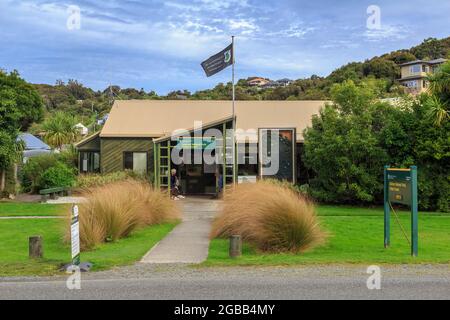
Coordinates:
x,y
382,72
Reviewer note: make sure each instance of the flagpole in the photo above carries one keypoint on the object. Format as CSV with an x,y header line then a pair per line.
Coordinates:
x,y
234,115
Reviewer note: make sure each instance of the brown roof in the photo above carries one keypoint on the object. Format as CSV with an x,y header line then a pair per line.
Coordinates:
x,y
158,118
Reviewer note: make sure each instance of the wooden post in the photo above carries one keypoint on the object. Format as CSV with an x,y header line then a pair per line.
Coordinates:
x,y
235,246
414,214
387,210
35,247
2,180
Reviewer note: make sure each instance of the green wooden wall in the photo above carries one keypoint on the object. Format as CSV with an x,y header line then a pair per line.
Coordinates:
x,y
112,152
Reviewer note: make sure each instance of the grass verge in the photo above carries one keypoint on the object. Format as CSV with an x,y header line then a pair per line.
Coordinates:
x,y
14,259
356,236
15,209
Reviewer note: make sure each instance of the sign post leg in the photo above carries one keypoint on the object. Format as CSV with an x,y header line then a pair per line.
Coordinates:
x,y
414,214
387,211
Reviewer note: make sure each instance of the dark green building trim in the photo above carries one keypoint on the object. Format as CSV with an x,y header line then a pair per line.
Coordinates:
x,y
91,143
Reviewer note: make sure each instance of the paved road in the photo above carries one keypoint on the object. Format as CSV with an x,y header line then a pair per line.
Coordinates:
x,y
153,281
189,241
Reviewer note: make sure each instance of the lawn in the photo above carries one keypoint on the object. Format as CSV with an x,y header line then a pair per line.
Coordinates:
x,y
14,247
356,236
13,209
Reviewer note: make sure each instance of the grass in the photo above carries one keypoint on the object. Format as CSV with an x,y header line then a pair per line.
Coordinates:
x,y
14,259
328,210
14,209
356,236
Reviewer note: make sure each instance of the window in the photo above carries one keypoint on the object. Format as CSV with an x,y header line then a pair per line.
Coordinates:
x,y
247,159
415,68
89,162
277,158
412,84
136,161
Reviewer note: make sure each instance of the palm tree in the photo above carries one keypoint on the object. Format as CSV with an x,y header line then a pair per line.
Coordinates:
x,y
440,81
437,110
439,102
60,130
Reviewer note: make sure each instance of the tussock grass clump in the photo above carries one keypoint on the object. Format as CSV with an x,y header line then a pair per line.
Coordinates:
x,y
114,211
273,217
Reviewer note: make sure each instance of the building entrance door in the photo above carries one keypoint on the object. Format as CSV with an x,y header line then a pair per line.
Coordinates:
x,y
197,179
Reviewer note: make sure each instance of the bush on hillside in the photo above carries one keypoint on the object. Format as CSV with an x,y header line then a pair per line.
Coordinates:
x,y
272,217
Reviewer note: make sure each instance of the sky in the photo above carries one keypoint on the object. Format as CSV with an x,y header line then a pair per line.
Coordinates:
x,y
159,45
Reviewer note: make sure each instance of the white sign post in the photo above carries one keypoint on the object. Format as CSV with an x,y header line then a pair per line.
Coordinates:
x,y
75,236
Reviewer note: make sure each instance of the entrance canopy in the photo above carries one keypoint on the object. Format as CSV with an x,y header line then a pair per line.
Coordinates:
x,y
205,176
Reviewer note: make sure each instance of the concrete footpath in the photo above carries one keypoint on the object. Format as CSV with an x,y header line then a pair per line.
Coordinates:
x,y
189,241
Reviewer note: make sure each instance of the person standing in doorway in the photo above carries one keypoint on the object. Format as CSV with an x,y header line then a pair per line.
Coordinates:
x,y
175,185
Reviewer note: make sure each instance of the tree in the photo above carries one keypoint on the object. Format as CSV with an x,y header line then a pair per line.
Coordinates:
x,y
7,155
347,130
77,90
60,130
354,137
20,106
432,48
20,103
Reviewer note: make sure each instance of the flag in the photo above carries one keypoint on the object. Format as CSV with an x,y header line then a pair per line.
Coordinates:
x,y
219,61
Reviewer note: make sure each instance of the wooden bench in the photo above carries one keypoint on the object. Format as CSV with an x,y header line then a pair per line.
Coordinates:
x,y
53,193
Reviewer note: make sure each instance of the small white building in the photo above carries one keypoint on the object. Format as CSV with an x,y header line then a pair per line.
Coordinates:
x,y
84,131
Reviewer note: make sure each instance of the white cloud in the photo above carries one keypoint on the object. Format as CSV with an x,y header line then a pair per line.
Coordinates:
x,y
333,44
293,31
386,32
207,5
245,26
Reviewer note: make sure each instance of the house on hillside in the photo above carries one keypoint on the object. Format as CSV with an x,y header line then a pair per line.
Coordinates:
x,y
82,129
102,120
277,84
414,74
257,82
284,82
140,135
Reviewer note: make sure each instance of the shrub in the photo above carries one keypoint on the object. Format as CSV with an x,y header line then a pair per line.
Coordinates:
x,y
31,172
59,175
351,140
69,156
271,217
86,181
114,211
300,189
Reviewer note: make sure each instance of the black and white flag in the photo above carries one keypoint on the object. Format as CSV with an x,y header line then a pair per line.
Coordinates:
x,y
219,61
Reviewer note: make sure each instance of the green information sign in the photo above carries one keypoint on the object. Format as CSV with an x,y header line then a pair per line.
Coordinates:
x,y
196,143
400,187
